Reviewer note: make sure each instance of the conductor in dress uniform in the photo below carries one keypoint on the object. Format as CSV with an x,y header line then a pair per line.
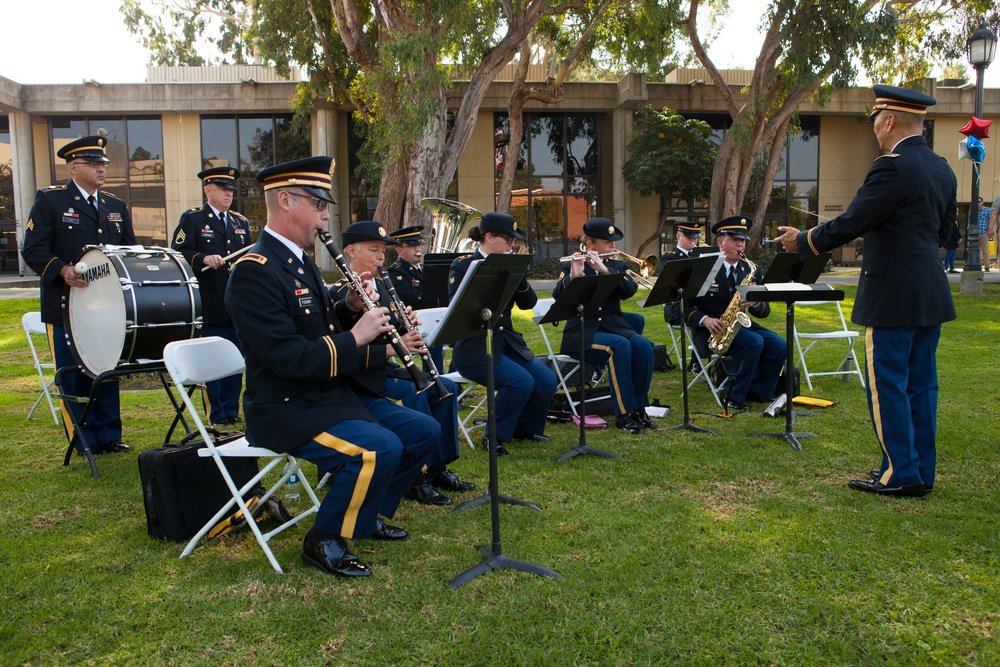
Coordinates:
x,y
525,386
608,336
756,354
407,276
904,210
205,236
300,350
64,219
686,237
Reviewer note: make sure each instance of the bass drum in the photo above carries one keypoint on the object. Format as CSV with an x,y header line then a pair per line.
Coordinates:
x,y
136,301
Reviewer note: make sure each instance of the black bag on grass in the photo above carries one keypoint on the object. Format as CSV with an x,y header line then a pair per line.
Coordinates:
x,y
181,491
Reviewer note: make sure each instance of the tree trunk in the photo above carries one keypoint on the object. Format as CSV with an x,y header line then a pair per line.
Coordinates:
x,y
425,177
515,128
391,195
767,184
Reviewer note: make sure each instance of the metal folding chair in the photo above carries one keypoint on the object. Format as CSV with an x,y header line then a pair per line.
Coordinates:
x,y
200,360
813,337
33,326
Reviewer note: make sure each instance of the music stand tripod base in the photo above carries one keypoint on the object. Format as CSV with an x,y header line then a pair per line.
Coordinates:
x,y
497,561
791,438
487,497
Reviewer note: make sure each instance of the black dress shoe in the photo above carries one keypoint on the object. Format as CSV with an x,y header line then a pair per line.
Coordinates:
x,y
423,492
384,531
535,437
501,449
733,407
626,423
904,491
333,557
875,473
447,480
227,421
113,447
642,419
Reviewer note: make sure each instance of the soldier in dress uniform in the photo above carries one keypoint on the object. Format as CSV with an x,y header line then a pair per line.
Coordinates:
x,y
407,276
301,350
524,385
609,338
686,237
205,236
904,210
364,246
757,354
64,219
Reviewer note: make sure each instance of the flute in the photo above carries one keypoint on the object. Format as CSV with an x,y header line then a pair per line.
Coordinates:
x,y
422,383
399,307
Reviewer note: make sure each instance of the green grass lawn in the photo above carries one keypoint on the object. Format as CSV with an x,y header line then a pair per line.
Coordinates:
x,y
691,549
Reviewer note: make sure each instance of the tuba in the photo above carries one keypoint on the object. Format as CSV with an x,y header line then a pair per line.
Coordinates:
x,y
733,319
452,221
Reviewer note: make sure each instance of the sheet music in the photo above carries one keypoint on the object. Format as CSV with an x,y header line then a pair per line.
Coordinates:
x,y
430,339
782,287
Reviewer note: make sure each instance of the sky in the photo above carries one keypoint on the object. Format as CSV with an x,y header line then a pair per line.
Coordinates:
x,y
32,51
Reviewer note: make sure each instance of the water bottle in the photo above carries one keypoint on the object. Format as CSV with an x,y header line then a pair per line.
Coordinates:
x,y
292,486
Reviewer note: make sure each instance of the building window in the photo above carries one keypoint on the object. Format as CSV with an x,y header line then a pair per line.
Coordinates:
x,y
557,180
252,143
8,216
795,192
135,173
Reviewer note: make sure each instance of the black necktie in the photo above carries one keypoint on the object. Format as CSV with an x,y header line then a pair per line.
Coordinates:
x,y
222,216
93,203
732,275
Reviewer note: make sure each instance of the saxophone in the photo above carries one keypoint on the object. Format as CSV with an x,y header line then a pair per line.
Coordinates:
x,y
733,319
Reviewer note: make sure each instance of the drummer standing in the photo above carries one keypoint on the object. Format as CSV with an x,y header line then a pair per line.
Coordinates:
x,y
64,219
205,236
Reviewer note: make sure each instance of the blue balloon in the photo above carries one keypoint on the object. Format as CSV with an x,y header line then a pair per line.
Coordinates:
x,y
976,149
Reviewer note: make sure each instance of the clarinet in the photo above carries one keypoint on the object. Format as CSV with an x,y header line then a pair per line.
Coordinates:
x,y
399,308
422,383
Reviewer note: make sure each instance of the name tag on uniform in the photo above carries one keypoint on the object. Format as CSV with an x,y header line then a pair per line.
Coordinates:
x,y
207,232
71,217
306,302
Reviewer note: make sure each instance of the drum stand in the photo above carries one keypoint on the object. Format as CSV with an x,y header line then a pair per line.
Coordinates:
x,y
125,369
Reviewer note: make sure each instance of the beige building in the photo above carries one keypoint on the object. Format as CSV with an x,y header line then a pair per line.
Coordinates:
x,y
162,132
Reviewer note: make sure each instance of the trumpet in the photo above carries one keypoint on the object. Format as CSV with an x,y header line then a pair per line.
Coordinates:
x,y
645,268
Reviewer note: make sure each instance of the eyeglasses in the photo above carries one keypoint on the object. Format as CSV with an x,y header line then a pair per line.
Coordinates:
x,y
319,203
95,165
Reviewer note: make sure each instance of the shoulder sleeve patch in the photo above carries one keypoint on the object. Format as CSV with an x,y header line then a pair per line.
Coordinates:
x,y
252,257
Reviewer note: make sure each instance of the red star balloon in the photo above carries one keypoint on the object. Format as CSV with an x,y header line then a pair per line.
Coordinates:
x,y
980,129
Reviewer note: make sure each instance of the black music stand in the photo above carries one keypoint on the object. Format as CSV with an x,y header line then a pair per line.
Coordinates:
x,y
582,298
434,284
483,295
790,292
678,276
122,370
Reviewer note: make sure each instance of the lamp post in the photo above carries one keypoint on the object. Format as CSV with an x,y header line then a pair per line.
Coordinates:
x,y
980,49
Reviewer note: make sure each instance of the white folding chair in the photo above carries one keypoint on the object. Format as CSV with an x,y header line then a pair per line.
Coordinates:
x,y
33,326
429,319
813,337
200,360
706,367
558,361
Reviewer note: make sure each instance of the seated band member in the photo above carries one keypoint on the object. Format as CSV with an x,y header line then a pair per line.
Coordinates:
x,y
407,276
608,336
757,353
686,237
300,350
364,246
524,385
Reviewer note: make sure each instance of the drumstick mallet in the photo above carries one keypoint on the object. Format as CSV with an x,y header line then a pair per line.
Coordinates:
x,y
80,267
230,256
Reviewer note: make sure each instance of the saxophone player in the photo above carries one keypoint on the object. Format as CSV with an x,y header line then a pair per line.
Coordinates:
x,y
757,353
